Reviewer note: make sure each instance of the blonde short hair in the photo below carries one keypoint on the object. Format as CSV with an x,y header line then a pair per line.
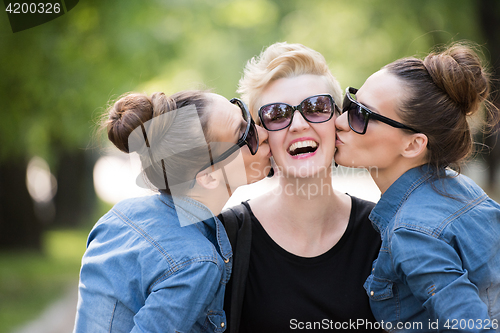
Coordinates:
x,y
283,60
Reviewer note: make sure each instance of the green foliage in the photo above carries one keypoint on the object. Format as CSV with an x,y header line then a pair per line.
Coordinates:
x,y
58,76
360,36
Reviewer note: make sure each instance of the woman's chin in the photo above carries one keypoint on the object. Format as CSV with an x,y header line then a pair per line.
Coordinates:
x,y
257,175
343,160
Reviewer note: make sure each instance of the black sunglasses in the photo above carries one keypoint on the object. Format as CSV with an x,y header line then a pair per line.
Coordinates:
x,y
250,137
314,109
358,115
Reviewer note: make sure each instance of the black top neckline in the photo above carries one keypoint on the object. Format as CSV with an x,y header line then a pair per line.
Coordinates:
x,y
326,256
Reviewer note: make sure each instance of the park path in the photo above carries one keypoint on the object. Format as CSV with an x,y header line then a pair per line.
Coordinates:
x,y
59,317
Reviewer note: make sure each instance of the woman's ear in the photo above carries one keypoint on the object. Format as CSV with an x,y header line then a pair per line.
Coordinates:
x,y
207,180
416,146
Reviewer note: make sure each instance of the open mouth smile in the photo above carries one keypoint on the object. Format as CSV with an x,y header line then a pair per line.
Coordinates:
x,y
302,149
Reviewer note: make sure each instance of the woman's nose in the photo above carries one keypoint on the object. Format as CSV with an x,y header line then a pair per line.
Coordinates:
x,y
298,122
342,123
263,135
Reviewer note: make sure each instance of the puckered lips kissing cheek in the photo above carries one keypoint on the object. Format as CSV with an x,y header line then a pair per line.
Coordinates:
x,y
338,141
302,148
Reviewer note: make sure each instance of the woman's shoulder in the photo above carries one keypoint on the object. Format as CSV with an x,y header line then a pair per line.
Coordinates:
x,y
139,205
139,215
150,225
248,207
235,214
361,208
446,197
360,230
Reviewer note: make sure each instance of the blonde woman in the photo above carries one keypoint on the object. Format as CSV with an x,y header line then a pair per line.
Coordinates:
x,y
311,246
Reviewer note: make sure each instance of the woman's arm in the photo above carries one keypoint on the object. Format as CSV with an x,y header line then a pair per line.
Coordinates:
x,y
433,271
182,300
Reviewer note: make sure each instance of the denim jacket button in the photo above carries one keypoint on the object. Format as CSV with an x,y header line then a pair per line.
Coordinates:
x,y
222,325
372,293
226,260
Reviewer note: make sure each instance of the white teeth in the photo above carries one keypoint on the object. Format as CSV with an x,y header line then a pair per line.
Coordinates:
x,y
302,144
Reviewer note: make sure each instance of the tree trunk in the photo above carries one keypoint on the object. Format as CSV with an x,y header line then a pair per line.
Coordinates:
x,y
489,20
75,199
19,226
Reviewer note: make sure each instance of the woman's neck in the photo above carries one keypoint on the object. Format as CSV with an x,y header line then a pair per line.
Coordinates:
x,y
213,199
384,178
305,216
312,190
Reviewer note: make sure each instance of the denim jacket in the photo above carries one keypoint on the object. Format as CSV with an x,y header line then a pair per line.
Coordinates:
x,y
439,265
144,272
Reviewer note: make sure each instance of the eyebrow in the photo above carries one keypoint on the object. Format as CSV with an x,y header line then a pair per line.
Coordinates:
x,y
367,106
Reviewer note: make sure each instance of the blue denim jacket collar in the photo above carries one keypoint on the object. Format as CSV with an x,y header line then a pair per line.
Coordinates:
x,y
397,194
190,211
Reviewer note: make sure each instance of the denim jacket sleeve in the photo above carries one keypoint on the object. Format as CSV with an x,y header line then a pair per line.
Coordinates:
x,y
164,312
143,272
437,279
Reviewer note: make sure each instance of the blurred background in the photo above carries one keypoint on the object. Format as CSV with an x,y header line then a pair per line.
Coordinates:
x,y
57,176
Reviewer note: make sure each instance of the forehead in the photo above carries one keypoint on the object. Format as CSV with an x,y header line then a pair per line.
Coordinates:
x,y
293,90
381,92
225,118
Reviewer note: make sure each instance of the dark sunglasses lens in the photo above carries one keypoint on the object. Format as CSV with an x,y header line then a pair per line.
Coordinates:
x,y
253,139
317,109
276,116
357,117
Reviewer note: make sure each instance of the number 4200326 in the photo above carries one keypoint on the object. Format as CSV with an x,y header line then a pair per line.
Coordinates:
x,y
33,8
471,324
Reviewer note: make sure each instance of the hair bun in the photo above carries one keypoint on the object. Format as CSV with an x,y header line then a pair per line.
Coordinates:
x,y
129,112
459,73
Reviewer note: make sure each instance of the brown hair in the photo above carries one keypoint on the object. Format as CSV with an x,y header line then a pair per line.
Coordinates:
x,y
283,60
441,92
129,117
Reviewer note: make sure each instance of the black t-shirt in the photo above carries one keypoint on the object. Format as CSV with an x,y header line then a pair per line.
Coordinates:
x,y
285,292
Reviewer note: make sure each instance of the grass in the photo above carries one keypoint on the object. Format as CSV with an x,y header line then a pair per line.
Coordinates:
x,y
31,281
